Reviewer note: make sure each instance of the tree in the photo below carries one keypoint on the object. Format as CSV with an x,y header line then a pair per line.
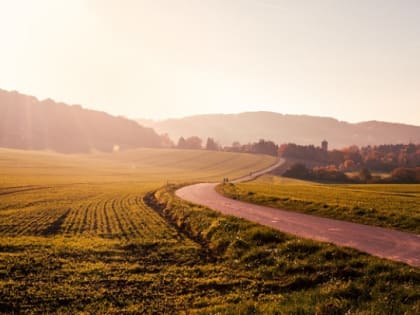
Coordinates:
x,y
265,147
236,145
348,165
365,175
406,175
181,143
193,142
297,170
166,142
212,145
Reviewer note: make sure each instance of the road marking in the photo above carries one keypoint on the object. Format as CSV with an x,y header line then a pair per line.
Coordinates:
x,y
334,229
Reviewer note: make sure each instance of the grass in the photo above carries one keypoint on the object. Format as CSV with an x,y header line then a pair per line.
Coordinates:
x,y
281,274
394,206
83,234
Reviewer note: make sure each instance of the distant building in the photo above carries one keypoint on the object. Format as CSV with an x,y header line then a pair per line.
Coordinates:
x,y
324,145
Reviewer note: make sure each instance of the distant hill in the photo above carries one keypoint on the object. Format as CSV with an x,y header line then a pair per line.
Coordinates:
x,y
27,123
300,129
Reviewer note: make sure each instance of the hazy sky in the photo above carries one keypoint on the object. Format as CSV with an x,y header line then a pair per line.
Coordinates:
x,y
353,60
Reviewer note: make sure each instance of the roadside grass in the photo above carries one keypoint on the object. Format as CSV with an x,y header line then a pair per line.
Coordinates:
x,y
395,206
282,274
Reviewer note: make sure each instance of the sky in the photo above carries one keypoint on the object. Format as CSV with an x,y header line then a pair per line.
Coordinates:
x,y
353,60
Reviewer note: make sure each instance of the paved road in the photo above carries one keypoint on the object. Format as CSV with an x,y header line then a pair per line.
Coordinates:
x,y
385,243
258,173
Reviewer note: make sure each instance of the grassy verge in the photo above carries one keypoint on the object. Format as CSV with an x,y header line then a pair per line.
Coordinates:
x,y
394,206
273,273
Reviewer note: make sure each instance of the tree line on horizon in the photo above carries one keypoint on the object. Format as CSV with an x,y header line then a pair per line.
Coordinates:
x,y
260,147
380,158
400,161
364,175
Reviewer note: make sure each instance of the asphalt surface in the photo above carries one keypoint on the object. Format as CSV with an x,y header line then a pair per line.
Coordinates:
x,y
381,242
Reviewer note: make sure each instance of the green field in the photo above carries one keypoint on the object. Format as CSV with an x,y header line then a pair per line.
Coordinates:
x,y
147,166
100,195
394,206
77,235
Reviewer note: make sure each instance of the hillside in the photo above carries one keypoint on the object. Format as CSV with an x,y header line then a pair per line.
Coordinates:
x,y
30,124
301,129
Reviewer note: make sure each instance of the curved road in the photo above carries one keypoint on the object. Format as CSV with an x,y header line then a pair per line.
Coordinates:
x,y
385,243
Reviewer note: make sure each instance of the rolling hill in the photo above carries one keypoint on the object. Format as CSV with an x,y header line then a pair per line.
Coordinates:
x,y
301,129
30,124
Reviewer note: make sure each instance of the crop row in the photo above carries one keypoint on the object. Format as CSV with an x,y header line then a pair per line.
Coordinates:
x,y
108,216
25,222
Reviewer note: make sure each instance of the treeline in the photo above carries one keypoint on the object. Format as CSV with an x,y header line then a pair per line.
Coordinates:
x,y
332,174
381,158
260,147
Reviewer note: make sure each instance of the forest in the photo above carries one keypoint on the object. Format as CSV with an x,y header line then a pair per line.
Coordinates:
x,y
400,161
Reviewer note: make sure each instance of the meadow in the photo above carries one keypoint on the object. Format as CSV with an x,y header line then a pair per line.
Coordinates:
x,y
104,234
395,206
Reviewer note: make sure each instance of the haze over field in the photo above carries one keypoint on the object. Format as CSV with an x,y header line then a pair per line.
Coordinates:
x,y
162,59
30,124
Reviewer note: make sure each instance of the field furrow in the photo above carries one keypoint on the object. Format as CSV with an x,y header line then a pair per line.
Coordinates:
x,y
106,226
